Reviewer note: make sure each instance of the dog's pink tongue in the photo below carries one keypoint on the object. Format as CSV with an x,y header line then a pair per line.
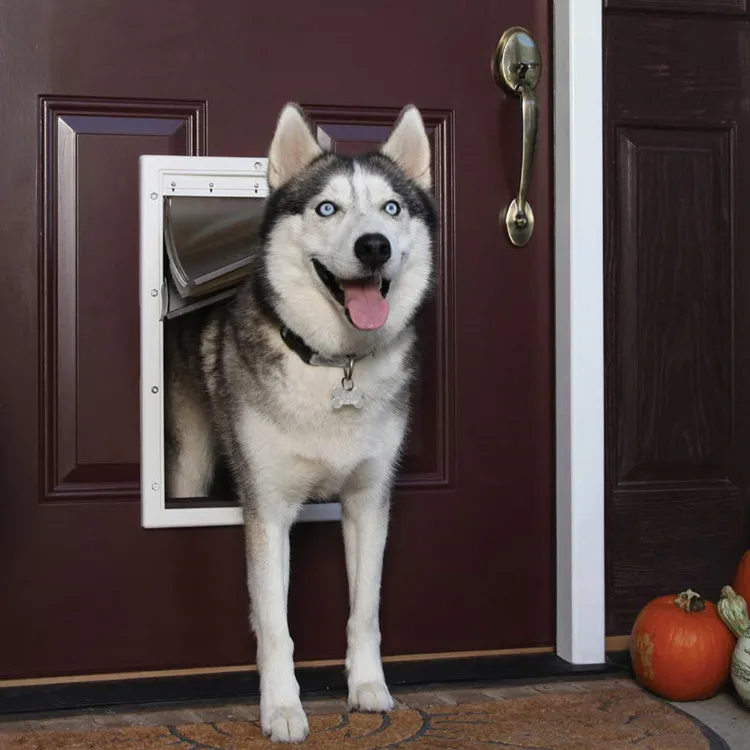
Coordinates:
x,y
367,307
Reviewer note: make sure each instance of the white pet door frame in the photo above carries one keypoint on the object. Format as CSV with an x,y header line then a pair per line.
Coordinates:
x,y
194,176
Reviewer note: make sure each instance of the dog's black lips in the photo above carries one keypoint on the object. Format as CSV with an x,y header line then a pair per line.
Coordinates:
x,y
332,284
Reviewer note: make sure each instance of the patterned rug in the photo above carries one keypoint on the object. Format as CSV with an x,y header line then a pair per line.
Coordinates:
x,y
608,719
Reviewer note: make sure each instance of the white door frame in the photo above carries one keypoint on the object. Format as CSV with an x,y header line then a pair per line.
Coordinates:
x,y
579,328
579,351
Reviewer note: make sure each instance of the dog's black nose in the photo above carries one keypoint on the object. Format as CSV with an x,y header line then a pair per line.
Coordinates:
x,y
373,250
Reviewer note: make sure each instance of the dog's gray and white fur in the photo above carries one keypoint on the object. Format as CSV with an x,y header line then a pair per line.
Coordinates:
x,y
239,393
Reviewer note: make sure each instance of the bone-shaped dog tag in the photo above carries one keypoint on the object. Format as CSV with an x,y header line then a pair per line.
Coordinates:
x,y
347,394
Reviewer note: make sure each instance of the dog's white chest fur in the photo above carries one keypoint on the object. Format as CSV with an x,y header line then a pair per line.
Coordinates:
x,y
312,444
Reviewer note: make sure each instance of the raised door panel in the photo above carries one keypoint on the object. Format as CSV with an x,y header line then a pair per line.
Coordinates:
x,y
429,452
89,282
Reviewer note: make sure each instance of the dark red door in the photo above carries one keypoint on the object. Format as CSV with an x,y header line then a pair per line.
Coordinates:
x,y
86,88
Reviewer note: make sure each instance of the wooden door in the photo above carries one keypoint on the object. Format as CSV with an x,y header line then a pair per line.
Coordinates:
x,y
677,140
86,88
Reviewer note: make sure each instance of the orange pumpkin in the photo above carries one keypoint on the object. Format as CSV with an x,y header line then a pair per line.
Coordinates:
x,y
741,583
680,649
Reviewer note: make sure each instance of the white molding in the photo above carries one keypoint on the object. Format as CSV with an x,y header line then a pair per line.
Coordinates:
x,y
579,332
181,175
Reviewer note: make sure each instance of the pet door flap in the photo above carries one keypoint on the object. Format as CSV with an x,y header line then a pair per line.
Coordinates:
x,y
209,241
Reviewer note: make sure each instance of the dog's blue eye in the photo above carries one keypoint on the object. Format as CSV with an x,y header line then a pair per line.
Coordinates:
x,y
326,208
392,208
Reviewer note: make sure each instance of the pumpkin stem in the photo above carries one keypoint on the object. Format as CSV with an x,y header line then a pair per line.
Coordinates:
x,y
733,611
689,601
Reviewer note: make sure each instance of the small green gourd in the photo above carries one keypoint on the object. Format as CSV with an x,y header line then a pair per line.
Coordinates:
x,y
733,611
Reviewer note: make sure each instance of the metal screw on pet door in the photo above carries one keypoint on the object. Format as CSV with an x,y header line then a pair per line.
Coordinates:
x,y
517,68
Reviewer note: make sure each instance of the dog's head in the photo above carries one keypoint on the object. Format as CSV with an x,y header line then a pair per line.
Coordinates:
x,y
347,241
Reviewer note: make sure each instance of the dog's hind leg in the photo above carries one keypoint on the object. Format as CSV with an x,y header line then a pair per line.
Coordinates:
x,y
365,508
191,450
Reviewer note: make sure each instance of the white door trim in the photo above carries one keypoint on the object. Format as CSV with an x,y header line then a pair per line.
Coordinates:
x,y
579,330
577,74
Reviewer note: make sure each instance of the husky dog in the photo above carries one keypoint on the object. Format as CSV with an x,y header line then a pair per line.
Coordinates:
x,y
301,383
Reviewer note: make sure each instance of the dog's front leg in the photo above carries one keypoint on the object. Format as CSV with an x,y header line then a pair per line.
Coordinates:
x,y
365,527
267,528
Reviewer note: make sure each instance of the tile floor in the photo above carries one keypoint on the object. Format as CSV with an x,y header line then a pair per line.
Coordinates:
x,y
724,714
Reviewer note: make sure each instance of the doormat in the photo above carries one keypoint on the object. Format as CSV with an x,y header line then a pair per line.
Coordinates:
x,y
613,719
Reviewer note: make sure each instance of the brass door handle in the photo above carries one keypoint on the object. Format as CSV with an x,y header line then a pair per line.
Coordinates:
x,y
517,67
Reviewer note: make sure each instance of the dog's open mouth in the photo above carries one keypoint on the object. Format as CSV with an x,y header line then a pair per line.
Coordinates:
x,y
364,300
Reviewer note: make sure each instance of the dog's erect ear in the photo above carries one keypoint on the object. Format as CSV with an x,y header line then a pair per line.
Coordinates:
x,y
293,146
409,147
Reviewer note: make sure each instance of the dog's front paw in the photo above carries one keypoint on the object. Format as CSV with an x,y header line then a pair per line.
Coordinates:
x,y
284,723
372,697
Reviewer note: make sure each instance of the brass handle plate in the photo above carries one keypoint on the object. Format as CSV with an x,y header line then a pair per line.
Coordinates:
x,y
517,68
